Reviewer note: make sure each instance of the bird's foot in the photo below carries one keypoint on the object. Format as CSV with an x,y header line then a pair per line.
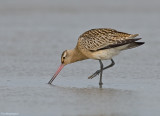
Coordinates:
x,y
100,85
94,74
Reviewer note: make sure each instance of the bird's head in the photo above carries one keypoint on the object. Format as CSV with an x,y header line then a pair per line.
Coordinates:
x,y
66,58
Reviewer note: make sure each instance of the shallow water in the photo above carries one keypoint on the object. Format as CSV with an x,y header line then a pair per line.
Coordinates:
x,y
34,33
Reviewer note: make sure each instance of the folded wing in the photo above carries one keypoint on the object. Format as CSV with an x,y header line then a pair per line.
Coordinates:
x,y
103,38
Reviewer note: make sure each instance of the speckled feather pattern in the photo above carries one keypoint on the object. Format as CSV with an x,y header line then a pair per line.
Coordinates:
x,y
99,44
96,39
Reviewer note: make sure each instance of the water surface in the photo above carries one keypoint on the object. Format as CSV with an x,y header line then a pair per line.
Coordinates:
x,y
34,33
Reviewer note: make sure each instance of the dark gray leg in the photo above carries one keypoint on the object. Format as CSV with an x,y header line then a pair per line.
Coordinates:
x,y
101,71
98,71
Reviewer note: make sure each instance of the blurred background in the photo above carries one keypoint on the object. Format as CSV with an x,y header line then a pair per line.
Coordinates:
x,y
34,33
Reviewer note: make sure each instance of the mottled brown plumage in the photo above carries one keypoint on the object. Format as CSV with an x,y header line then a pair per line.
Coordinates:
x,y
99,44
96,39
104,43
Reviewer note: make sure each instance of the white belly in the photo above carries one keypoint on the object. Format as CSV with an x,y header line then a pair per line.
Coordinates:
x,y
105,54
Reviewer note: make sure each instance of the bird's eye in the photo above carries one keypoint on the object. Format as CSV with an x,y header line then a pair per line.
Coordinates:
x,y
64,57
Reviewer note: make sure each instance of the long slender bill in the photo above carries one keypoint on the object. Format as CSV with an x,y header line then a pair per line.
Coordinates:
x,y
55,75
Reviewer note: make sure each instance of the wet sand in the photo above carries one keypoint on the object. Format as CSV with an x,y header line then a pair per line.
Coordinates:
x,y
34,33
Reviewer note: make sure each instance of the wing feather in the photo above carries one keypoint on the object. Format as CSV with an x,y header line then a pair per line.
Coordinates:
x,y
104,38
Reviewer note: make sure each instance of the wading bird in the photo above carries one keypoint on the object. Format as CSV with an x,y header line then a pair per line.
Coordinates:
x,y
99,44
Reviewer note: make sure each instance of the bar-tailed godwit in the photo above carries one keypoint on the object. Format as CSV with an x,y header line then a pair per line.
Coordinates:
x,y
99,44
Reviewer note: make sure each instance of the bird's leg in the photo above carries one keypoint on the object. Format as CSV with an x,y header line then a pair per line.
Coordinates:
x,y
101,71
98,71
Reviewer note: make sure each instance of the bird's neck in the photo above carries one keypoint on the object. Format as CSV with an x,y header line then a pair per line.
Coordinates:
x,y
76,55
